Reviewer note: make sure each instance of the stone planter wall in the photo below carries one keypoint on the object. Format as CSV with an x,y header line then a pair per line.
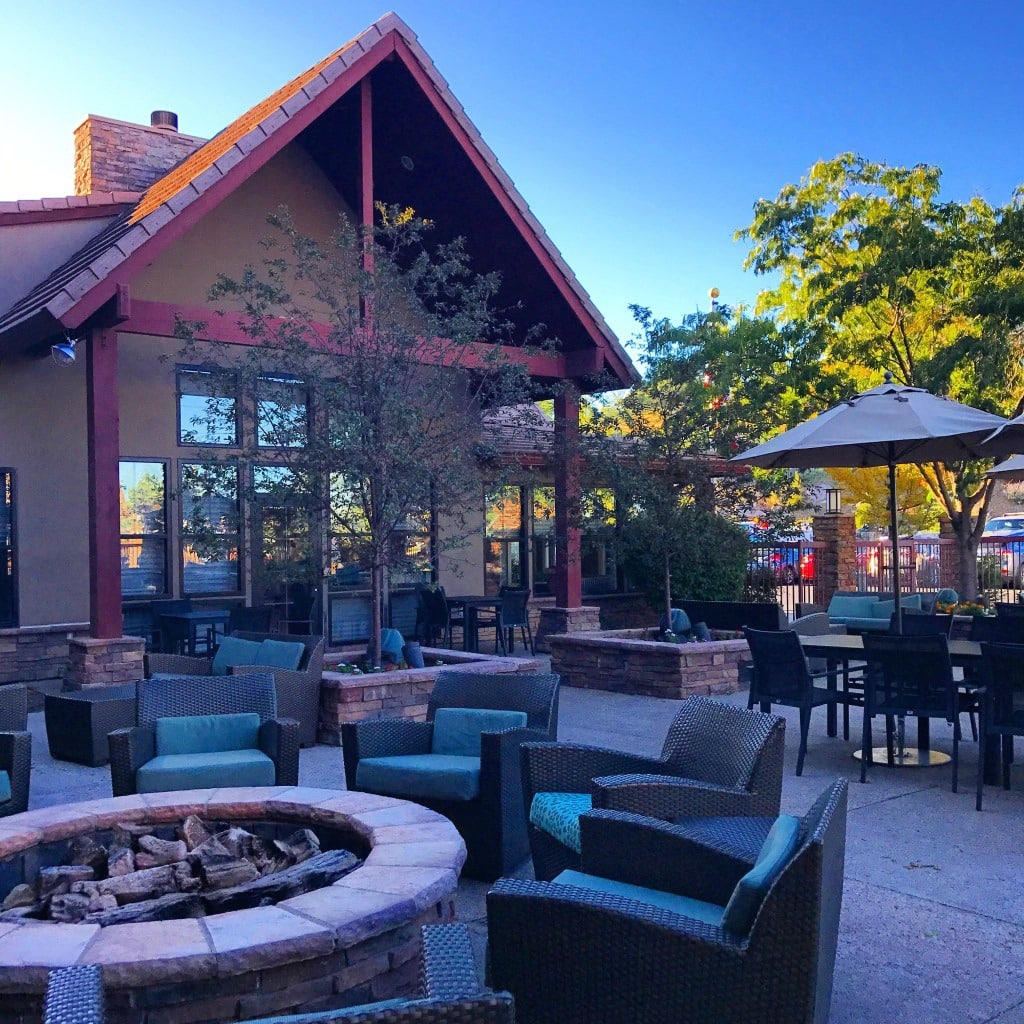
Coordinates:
x,y
622,662
401,694
37,654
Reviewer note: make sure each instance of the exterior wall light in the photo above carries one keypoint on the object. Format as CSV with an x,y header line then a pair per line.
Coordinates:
x,y
833,501
63,353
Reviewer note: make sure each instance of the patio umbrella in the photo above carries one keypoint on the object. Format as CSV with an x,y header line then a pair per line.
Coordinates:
x,y
1011,469
890,425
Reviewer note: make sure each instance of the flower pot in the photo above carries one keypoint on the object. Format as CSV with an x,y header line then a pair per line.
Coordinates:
x,y
413,654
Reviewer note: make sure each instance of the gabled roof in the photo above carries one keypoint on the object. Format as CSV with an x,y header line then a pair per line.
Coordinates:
x,y
174,203
64,208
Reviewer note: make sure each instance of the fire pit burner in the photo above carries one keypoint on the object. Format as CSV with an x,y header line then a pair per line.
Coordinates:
x,y
352,941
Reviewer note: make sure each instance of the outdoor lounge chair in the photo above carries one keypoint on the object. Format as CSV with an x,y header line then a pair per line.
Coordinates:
x,y
463,761
194,732
449,992
661,929
716,760
15,749
297,674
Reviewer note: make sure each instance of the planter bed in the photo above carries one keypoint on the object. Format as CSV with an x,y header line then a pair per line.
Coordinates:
x,y
399,694
624,661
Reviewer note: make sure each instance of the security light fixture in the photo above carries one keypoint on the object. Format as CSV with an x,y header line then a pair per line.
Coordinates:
x,y
833,501
408,163
63,353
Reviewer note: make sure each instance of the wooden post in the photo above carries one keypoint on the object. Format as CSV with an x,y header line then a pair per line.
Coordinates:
x,y
568,577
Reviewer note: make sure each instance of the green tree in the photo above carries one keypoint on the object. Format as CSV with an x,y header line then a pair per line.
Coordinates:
x,y
891,277
374,356
868,489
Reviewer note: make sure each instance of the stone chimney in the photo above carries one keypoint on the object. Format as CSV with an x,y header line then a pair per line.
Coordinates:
x,y
116,156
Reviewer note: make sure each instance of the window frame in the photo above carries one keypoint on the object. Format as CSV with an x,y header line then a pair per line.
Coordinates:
x,y
184,535
165,536
290,380
179,393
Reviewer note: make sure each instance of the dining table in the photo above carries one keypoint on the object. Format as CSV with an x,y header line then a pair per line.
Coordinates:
x,y
471,604
839,650
200,626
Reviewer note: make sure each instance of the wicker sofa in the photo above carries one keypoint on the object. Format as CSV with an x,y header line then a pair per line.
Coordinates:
x,y
298,691
647,934
449,992
15,749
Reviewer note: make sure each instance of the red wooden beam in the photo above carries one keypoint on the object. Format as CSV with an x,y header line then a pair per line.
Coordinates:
x,y
102,424
568,577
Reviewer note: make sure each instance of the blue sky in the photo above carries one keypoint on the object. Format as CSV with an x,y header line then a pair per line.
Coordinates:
x,y
640,133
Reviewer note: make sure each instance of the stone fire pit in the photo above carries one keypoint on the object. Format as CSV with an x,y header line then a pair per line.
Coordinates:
x,y
353,941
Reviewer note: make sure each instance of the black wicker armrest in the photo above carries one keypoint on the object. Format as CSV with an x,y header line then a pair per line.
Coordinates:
x,y
74,995
279,740
668,798
447,969
382,737
499,758
13,707
16,760
569,767
177,665
130,749
638,850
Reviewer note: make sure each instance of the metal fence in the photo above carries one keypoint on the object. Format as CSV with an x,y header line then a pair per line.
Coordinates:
x,y
789,569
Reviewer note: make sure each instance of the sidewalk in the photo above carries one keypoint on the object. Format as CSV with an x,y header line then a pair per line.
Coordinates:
x,y
932,927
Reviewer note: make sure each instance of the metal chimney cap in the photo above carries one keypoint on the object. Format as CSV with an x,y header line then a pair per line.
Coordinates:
x,y
165,119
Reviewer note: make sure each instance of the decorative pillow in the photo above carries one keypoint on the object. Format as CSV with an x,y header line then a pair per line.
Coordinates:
x,y
279,654
5,787
883,609
457,730
846,605
746,898
234,651
391,643
204,734
558,814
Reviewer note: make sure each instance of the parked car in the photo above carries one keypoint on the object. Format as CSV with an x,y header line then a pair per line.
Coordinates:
x,y
1002,541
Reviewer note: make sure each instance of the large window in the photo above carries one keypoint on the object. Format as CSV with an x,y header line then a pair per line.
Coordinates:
x,y
505,540
207,407
597,544
210,539
143,528
281,412
8,579
543,522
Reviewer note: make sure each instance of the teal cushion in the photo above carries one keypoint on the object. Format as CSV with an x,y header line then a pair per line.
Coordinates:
x,y
421,776
947,596
457,730
391,642
5,787
869,624
843,605
205,771
279,654
912,601
750,891
680,622
202,734
883,609
698,910
233,651
558,814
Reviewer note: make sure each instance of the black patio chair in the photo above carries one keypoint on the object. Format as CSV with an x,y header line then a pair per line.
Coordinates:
x,y
449,992
659,929
1010,608
15,749
169,636
254,619
997,629
717,760
919,623
475,781
782,676
433,617
511,614
1002,715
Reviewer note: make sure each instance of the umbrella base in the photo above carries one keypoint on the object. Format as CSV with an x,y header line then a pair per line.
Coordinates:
x,y
908,757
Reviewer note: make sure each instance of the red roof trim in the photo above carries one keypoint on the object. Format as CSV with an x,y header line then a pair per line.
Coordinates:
x,y
65,208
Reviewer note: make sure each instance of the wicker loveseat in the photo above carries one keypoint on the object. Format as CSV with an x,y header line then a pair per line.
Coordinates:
x,y
15,749
162,704
449,992
298,689
660,928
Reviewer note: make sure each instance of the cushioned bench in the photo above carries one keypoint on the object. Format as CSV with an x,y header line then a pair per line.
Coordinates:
x,y
867,613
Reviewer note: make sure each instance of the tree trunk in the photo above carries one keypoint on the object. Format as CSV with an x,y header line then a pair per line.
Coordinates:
x,y
376,595
967,562
668,591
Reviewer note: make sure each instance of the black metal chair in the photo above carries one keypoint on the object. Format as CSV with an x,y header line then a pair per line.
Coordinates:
x,y
579,950
911,676
1010,608
170,637
1002,715
782,676
491,821
249,620
450,992
997,629
918,623
15,747
717,760
434,618
511,614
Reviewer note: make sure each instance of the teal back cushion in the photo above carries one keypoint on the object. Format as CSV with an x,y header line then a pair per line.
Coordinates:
x,y
909,601
279,654
844,606
391,642
947,596
883,609
457,730
203,734
234,651
5,787
680,621
750,891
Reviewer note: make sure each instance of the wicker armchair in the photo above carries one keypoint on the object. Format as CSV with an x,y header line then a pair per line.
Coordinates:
x,y
491,823
174,696
601,952
449,992
15,747
717,759
298,692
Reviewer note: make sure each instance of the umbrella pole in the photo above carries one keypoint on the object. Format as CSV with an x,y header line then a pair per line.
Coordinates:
x,y
894,537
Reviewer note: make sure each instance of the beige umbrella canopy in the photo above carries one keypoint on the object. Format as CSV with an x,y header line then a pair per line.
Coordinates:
x,y
889,425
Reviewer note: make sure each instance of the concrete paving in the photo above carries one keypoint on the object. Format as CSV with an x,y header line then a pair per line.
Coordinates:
x,y
932,925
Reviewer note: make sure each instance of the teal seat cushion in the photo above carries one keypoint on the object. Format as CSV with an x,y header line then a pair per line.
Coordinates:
x,y
202,734
685,906
279,654
421,776
750,891
558,814
844,605
204,771
883,609
391,643
5,787
457,730
233,650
